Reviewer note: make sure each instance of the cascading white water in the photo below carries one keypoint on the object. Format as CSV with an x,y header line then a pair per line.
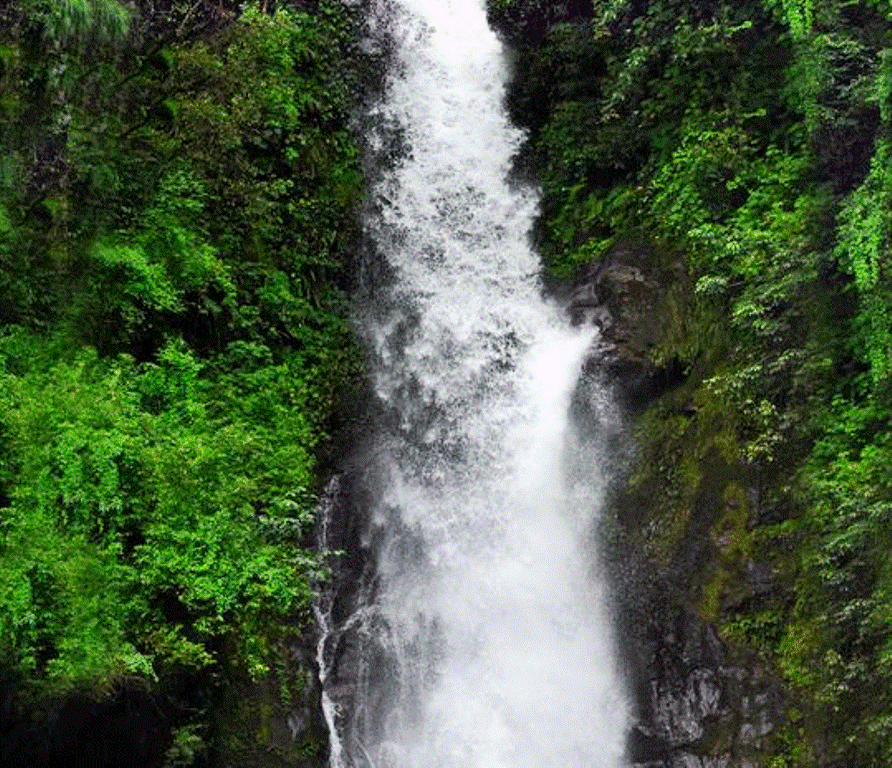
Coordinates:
x,y
486,607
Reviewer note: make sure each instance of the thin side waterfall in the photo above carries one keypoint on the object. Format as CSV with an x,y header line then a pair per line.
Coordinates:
x,y
483,638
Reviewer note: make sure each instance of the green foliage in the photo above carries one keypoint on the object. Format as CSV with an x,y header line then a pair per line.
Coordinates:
x,y
83,22
141,517
799,14
177,213
188,745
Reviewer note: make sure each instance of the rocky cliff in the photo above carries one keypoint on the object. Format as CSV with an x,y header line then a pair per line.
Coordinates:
x,y
698,703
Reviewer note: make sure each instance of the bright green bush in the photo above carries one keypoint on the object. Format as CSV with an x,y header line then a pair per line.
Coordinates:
x,y
150,512
178,195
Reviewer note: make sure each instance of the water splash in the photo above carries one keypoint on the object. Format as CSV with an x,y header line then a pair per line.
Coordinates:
x,y
486,639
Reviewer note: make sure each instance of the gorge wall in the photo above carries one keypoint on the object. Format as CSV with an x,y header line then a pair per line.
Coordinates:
x,y
178,196
699,702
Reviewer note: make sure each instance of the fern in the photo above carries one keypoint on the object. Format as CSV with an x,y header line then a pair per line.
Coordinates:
x,y
610,9
799,16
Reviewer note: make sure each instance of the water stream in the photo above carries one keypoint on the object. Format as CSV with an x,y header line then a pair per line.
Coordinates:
x,y
485,639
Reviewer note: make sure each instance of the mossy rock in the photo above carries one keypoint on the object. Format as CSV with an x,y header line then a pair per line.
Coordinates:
x,y
276,720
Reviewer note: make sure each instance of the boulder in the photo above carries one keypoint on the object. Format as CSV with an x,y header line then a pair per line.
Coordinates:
x,y
624,295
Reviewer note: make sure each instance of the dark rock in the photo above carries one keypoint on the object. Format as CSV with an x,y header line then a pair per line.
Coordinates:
x,y
129,728
760,578
695,705
624,296
646,749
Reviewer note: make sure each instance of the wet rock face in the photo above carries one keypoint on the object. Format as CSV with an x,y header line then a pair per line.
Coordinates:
x,y
274,722
696,703
625,297
696,707
620,296
351,657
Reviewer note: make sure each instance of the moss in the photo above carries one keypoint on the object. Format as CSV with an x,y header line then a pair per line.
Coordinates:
x,y
733,542
274,721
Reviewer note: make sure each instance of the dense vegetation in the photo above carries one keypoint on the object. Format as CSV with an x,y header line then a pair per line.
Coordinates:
x,y
751,142
177,194
177,202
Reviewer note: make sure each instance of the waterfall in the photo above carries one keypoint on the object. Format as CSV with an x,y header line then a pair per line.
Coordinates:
x,y
483,637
